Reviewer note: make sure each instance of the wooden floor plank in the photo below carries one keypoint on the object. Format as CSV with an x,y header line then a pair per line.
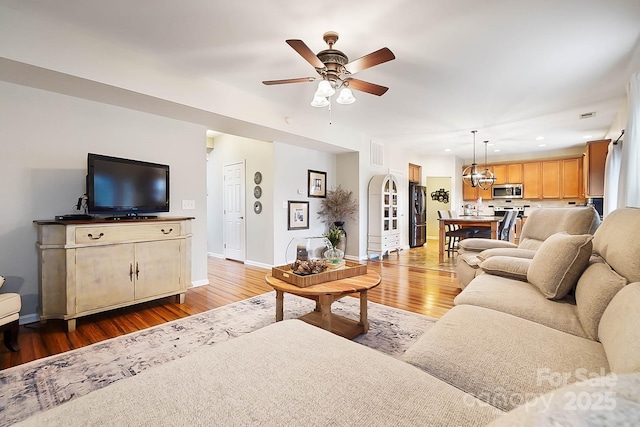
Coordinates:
x,y
411,281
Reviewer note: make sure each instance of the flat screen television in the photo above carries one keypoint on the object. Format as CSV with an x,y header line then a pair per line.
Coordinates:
x,y
125,187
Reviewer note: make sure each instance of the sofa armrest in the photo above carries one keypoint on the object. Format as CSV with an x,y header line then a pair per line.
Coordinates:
x,y
506,266
479,245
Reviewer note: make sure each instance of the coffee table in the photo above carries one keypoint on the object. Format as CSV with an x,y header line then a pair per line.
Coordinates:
x,y
324,294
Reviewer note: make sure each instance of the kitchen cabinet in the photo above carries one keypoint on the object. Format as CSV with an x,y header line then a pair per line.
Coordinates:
x,y
510,173
532,180
87,267
551,170
572,178
594,162
415,173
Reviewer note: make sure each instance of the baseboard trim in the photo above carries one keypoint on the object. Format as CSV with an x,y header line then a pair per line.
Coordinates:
x,y
197,283
29,318
258,264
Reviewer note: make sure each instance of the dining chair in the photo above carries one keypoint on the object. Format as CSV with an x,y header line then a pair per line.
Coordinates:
x,y
453,233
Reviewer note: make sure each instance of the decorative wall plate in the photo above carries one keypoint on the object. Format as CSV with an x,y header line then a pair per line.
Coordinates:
x,y
257,177
257,207
257,192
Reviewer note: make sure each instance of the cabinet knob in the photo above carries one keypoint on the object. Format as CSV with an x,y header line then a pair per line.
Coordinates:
x,y
95,238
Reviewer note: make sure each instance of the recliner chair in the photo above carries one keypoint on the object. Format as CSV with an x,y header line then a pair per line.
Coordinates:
x,y
540,225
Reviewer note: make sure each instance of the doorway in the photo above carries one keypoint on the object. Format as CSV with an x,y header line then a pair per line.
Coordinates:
x,y
436,183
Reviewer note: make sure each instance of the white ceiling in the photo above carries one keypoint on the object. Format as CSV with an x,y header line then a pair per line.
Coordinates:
x,y
513,69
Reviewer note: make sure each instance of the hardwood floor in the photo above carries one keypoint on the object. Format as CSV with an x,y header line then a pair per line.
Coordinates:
x,y
412,281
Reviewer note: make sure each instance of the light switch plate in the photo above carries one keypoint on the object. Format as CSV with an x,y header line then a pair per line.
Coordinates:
x,y
188,204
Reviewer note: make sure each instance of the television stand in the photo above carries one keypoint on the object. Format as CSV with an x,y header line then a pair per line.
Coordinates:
x,y
121,217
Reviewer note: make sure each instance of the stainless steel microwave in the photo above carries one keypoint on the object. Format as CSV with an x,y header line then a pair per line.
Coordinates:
x,y
507,191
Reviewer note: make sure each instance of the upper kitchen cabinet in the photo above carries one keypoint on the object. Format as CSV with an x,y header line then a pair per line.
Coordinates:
x,y
508,173
473,193
532,180
415,173
572,178
594,161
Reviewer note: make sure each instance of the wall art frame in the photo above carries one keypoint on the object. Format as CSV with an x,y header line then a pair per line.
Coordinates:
x,y
298,215
317,184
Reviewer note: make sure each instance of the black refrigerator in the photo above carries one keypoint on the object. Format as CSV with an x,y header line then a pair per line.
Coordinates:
x,y
417,215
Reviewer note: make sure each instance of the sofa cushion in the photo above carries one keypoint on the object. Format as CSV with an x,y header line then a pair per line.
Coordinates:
x,y
479,245
276,376
506,266
511,252
597,285
558,263
502,359
618,242
543,223
522,300
619,332
611,400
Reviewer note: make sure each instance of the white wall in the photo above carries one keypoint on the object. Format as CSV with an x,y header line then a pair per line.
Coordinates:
x,y
290,166
44,141
258,156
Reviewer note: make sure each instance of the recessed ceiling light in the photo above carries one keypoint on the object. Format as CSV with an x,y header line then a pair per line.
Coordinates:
x,y
447,149
496,150
490,144
586,137
539,138
542,145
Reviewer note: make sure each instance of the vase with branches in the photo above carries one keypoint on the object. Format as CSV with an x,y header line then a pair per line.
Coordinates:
x,y
338,206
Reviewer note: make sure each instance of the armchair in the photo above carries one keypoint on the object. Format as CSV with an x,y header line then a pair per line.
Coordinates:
x,y
540,225
10,305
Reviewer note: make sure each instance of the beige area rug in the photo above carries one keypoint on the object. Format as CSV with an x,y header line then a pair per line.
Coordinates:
x,y
42,384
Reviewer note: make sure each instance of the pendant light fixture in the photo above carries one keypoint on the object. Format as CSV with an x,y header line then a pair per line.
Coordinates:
x,y
470,175
486,179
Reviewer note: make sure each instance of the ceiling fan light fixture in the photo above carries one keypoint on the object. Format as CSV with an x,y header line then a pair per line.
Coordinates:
x,y
319,101
346,97
324,89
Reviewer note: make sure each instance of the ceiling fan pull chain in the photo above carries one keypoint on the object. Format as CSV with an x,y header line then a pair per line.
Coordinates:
x,y
330,113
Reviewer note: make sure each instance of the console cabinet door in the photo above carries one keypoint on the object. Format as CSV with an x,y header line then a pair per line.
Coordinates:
x,y
158,268
104,276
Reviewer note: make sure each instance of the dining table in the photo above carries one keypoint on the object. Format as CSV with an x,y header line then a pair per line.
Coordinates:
x,y
467,221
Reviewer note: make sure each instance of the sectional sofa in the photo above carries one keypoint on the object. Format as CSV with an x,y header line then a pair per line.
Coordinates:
x,y
557,346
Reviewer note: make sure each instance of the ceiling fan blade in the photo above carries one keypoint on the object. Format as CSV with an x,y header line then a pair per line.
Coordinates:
x,y
306,53
374,58
285,81
363,86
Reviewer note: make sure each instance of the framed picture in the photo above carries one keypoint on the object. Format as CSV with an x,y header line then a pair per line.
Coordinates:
x,y
317,184
298,215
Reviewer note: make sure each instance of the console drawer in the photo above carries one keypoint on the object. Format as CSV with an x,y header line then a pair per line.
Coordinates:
x,y
126,233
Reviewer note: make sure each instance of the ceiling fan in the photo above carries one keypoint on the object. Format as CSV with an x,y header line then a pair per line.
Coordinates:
x,y
334,71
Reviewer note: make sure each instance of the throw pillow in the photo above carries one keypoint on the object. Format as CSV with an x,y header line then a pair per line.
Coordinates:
x,y
506,266
558,263
595,289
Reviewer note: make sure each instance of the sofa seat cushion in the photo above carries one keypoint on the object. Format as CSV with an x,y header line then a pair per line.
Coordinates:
x,y
506,266
612,400
523,300
289,374
10,305
502,359
595,289
559,262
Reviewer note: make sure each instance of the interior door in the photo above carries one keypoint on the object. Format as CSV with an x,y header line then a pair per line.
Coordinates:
x,y
234,212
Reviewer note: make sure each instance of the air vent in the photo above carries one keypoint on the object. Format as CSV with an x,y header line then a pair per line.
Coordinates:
x,y
377,154
588,115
